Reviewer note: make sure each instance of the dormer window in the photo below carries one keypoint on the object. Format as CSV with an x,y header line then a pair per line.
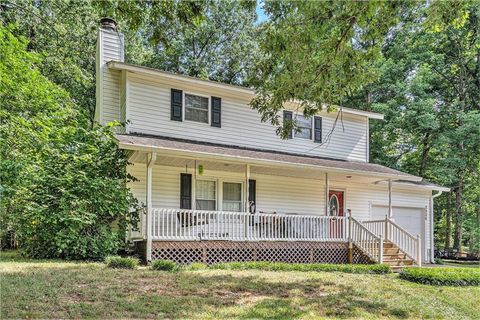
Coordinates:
x,y
305,127
196,108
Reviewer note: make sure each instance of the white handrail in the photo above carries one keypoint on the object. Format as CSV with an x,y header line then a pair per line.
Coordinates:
x,y
367,241
406,242
180,224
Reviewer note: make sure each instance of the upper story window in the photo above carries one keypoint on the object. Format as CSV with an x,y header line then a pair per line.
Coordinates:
x,y
191,107
196,108
308,128
304,126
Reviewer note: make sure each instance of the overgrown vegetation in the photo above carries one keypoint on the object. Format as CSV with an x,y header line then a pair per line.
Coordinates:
x,y
117,262
164,265
303,267
59,289
443,276
63,189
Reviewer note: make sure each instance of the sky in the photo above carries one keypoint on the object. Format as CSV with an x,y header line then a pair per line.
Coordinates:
x,y
261,17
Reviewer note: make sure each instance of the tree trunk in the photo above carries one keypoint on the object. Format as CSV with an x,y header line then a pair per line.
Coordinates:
x,y
424,157
457,238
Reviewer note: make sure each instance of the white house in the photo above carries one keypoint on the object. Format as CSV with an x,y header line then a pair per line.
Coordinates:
x,y
220,185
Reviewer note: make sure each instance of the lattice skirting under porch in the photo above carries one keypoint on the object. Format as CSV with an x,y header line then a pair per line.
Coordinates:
x,y
210,252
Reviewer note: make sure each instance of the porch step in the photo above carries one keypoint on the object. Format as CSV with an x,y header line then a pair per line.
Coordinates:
x,y
394,257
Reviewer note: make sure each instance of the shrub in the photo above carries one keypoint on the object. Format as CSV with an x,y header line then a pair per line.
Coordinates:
x,y
198,266
165,265
439,261
117,262
63,190
442,276
305,267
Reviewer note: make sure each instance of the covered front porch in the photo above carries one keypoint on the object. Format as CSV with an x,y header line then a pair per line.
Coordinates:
x,y
312,210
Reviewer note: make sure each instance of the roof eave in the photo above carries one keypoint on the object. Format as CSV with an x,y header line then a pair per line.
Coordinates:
x,y
212,156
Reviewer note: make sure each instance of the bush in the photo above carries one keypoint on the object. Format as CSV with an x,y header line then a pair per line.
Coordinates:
x,y
164,265
63,190
117,262
442,276
305,267
439,261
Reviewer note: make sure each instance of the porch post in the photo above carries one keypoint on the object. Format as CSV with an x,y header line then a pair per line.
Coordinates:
x,y
327,191
245,209
247,187
390,209
151,157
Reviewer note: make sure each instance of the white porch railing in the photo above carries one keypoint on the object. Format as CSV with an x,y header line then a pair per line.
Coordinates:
x,y
179,224
370,243
392,232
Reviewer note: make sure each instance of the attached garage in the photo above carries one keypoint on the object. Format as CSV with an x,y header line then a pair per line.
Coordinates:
x,y
410,218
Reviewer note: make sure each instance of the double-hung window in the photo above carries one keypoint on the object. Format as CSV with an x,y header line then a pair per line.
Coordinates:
x,y
205,195
304,127
196,108
232,196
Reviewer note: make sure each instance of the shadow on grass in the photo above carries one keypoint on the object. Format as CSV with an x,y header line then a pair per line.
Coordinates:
x,y
101,292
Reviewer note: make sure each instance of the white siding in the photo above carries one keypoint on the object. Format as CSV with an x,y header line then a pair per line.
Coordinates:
x,y
149,113
109,84
286,194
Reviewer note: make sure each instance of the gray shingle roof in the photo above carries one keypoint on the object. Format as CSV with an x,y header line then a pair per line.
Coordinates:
x,y
130,141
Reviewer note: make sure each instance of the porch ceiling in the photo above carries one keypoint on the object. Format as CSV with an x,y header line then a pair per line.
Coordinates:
x,y
231,158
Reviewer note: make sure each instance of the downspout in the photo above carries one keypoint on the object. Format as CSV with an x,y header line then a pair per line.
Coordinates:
x,y
432,247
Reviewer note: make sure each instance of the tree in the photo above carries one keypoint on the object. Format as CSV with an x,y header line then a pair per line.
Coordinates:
x,y
317,53
429,91
63,186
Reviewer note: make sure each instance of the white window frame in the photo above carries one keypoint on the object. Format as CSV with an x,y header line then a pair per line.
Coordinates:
x,y
294,134
184,103
218,191
242,192
217,207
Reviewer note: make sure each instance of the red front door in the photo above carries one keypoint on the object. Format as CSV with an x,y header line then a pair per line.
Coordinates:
x,y
335,205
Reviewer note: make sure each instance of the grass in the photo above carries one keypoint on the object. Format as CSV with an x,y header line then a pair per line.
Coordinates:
x,y
58,289
443,276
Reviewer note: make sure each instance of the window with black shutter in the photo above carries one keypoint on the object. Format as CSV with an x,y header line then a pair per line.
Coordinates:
x,y
176,105
185,191
288,116
216,112
317,124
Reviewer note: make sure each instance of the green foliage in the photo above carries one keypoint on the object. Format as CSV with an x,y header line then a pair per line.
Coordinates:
x,y
165,265
304,267
429,93
117,262
62,183
315,53
443,276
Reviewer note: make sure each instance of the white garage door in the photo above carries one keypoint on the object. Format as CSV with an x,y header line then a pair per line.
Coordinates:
x,y
411,219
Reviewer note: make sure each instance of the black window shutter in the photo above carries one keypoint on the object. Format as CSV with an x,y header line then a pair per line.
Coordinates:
x,y
177,105
317,128
288,116
185,191
216,112
252,195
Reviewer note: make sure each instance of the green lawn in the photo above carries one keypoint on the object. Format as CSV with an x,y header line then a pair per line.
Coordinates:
x,y
56,289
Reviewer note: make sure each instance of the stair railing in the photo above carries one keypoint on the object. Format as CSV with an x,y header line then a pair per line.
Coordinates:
x,y
365,240
406,242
